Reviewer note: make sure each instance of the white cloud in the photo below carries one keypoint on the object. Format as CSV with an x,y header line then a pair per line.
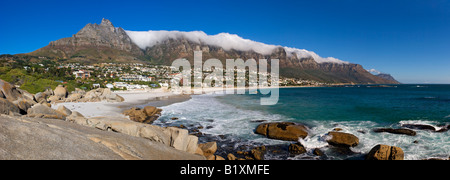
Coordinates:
x,y
146,39
374,71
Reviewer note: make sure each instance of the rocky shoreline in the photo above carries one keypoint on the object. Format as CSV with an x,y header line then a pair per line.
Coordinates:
x,y
339,143
35,116
25,113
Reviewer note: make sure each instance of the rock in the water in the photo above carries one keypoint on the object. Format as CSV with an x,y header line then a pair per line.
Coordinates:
x,y
283,131
396,131
146,115
136,114
444,129
231,157
296,148
385,152
208,148
419,127
318,152
427,127
341,139
258,154
152,113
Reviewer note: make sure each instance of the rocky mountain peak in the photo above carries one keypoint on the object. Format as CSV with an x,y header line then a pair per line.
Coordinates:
x,y
95,42
104,29
106,22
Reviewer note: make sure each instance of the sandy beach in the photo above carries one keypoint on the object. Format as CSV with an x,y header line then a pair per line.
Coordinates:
x,y
156,97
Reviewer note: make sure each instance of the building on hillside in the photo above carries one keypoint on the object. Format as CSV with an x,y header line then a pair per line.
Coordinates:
x,y
82,74
136,78
120,85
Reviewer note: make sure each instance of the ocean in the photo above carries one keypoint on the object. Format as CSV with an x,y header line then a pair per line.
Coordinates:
x,y
232,119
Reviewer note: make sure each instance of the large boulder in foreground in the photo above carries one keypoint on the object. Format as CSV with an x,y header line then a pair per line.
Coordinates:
x,y
286,131
7,107
20,98
385,152
341,139
9,91
26,138
171,136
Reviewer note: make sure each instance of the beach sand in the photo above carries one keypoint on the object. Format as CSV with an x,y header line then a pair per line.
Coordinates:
x,y
156,98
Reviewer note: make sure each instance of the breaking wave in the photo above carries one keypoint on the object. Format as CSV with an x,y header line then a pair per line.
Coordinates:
x,y
238,124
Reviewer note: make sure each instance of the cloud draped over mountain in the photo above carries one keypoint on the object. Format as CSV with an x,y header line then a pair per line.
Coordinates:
x,y
148,39
97,43
374,71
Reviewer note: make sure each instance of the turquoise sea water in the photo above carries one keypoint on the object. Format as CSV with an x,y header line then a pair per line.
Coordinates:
x,y
355,109
356,103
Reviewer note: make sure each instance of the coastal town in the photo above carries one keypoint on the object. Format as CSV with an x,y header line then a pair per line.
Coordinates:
x,y
137,76
129,76
144,77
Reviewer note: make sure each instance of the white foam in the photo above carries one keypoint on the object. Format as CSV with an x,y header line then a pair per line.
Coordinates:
x,y
422,122
313,142
430,144
236,122
224,119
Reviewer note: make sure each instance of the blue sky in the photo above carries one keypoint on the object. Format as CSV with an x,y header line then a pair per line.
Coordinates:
x,y
408,38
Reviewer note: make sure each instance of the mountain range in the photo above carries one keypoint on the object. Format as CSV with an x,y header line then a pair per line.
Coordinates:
x,y
104,42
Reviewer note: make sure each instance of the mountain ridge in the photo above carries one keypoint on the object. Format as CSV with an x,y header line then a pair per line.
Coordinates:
x,y
105,43
94,42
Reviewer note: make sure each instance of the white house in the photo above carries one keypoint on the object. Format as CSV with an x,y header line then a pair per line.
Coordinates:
x,y
110,86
